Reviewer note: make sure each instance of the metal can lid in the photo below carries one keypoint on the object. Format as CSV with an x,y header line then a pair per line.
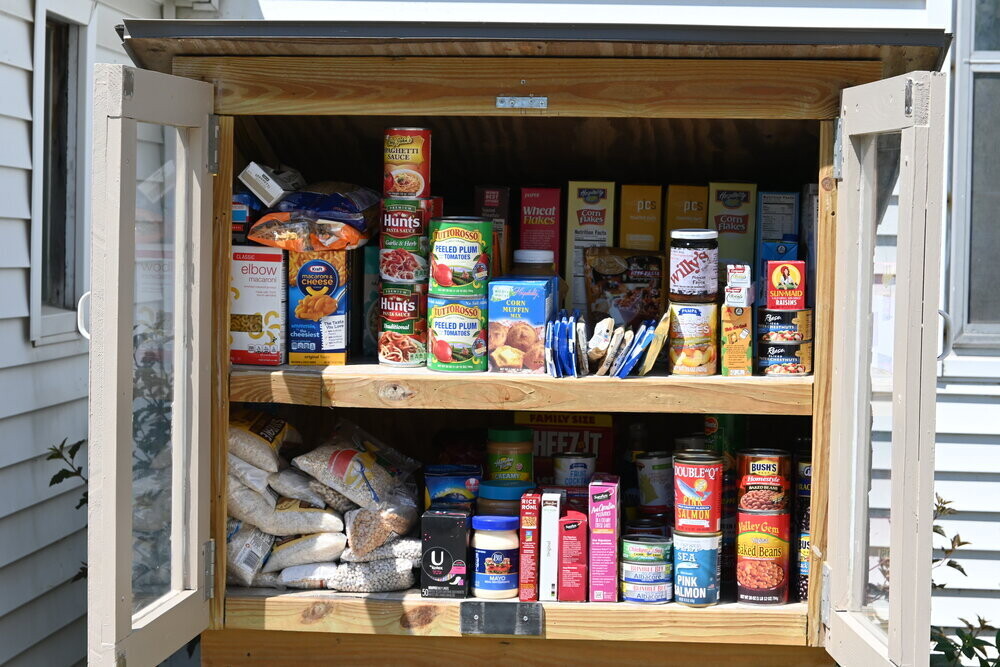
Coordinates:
x,y
694,234
527,256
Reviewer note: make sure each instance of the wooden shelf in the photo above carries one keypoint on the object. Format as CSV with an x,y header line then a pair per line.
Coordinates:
x,y
374,386
407,613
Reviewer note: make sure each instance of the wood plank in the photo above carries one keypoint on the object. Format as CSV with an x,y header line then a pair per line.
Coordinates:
x,y
584,87
261,647
373,386
407,613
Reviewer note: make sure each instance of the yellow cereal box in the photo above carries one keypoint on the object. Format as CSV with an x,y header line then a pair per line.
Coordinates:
x,y
737,339
640,217
687,208
732,211
590,221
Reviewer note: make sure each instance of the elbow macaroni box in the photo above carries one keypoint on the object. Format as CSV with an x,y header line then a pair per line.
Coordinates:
x,y
257,306
318,308
573,557
603,510
640,217
590,222
732,209
548,551
527,577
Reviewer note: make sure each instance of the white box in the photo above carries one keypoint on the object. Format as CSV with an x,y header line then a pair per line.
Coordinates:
x,y
257,296
271,186
738,275
548,556
739,297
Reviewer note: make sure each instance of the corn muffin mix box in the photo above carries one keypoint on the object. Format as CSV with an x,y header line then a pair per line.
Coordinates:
x,y
518,311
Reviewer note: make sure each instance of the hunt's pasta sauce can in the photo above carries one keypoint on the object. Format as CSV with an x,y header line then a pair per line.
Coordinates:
x,y
697,492
407,160
402,256
402,338
762,556
457,334
696,569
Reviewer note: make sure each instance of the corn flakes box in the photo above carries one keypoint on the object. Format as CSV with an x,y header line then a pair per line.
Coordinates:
x,y
318,308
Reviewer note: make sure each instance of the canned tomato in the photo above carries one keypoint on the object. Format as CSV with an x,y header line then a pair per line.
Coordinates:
x,y
803,563
402,338
402,256
407,162
647,593
784,326
656,481
646,573
698,492
574,468
693,338
460,256
457,334
696,569
726,435
762,557
785,358
764,479
646,549
647,526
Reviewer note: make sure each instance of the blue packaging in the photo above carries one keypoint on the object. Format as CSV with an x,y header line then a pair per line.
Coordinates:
x,y
519,308
697,568
495,569
451,484
318,308
778,251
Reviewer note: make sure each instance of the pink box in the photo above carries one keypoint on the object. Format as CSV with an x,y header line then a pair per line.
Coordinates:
x,y
603,506
573,557
531,530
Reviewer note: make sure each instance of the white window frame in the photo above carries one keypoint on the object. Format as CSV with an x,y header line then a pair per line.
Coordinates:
x,y
48,324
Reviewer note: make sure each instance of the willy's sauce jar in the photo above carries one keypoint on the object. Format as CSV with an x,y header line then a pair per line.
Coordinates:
x,y
694,265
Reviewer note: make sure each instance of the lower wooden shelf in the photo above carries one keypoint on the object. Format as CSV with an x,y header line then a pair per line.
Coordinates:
x,y
406,613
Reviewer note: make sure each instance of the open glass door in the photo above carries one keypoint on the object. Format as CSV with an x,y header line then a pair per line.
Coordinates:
x,y
882,439
150,406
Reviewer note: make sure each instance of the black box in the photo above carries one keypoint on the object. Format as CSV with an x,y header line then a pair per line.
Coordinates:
x,y
444,564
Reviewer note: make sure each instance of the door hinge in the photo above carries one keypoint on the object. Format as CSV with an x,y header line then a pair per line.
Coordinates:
x,y
209,550
824,600
838,149
908,98
213,143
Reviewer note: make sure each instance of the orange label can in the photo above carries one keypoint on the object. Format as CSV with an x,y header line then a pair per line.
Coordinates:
x,y
762,557
764,479
407,162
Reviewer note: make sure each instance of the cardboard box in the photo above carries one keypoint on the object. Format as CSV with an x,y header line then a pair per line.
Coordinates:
x,y
776,251
732,211
318,308
687,208
557,432
271,186
493,204
573,557
590,222
518,311
540,218
641,217
807,235
548,554
370,307
257,306
786,285
738,275
444,564
777,215
737,341
527,582
604,516
739,297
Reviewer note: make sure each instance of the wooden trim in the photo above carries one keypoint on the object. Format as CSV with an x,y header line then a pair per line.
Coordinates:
x,y
373,386
263,647
583,87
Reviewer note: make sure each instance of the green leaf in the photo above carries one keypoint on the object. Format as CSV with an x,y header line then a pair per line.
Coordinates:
x,y
74,448
968,652
940,531
955,566
60,477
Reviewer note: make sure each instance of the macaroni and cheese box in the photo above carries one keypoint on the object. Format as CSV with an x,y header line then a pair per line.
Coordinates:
x,y
590,222
518,311
257,306
732,209
641,217
687,208
540,216
318,308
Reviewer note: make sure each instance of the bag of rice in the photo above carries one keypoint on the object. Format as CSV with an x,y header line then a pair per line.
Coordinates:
x,y
335,501
303,549
247,505
409,548
268,580
256,437
246,548
288,516
251,476
293,483
392,574
314,575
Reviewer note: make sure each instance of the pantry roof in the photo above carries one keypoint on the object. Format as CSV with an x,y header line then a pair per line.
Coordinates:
x,y
153,44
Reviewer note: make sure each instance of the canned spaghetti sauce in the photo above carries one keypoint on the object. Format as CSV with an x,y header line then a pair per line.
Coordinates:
x,y
656,482
764,479
407,162
456,334
696,569
402,338
460,256
402,255
762,557
698,493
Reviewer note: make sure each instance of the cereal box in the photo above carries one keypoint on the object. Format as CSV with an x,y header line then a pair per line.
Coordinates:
x,y
807,234
590,222
257,306
318,298
573,557
548,555
641,217
737,341
518,311
786,285
603,510
540,219
493,204
777,215
557,432
687,208
527,582
732,209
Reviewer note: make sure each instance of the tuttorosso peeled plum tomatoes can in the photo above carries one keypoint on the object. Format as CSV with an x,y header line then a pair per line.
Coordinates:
x,y
460,253
456,334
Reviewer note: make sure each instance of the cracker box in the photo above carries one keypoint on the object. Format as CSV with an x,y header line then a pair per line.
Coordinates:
x,y
603,512
493,204
540,218
557,432
257,306
318,308
640,217
687,208
737,341
573,557
527,577
732,211
518,311
786,285
590,222
548,550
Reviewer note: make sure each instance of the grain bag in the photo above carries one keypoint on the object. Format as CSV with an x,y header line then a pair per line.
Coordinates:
x,y
246,548
303,549
293,483
391,574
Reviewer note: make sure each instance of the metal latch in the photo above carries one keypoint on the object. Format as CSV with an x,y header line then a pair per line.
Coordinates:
x,y
501,618
213,144
529,102
838,149
209,559
908,98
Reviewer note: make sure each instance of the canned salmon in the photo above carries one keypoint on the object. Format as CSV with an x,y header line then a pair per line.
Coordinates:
x,y
762,557
696,569
693,338
407,162
656,481
574,468
647,593
785,358
402,338
646,526
803,563
402,256
460,256
698,492
646,549
457,334
764,479
784,326
646,573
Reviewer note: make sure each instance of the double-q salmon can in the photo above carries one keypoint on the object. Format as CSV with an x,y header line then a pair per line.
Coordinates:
x,y
655,471
762,557
658,593
456,334
460,253
696,569
407,162
764,479
402,338
698,492
646,549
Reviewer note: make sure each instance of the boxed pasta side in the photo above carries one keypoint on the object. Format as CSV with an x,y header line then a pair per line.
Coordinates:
x,y
318,308
257,306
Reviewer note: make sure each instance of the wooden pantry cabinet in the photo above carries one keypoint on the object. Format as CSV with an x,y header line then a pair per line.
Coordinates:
x,y
854,111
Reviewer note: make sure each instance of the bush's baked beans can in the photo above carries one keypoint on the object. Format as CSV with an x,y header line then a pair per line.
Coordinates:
x,y
573,468
762,557
460,253
785,358
646,549
803,557
407,162
784,326
696,569
403,244
698,492
655,471
659,593
764,479
456,334
402,338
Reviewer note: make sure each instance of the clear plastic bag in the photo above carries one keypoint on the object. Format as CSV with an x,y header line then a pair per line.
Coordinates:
x,y
335,501
391,574
246,548
313,575
293,483
409,548
251,476
370,528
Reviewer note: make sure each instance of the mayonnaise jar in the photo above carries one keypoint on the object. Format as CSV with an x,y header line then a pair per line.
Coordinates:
x,y
495,556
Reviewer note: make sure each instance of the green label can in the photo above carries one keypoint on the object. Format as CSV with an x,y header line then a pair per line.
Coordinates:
x,y
457,334
402,339
403,252
460,254
726,435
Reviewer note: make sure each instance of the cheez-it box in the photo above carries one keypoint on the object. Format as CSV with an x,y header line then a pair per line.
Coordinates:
x,y
786,285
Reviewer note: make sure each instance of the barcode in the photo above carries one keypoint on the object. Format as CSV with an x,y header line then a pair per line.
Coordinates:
x,y
250,560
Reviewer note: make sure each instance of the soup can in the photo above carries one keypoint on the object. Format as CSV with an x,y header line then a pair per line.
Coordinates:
x,y
403,243
762,557
647,593
646,549
574,468
803,482
659,572
698,483
656,481
693,338
456,334
646,526
692,442
764,479
784,326
407,162
402,338
460,253
696,569
785,358
803,555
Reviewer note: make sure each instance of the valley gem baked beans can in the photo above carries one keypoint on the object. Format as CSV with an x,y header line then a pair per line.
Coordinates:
x,y
402,338
407,162
460,253
402,256
698,492
762,557
456,334
696,569
764,479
